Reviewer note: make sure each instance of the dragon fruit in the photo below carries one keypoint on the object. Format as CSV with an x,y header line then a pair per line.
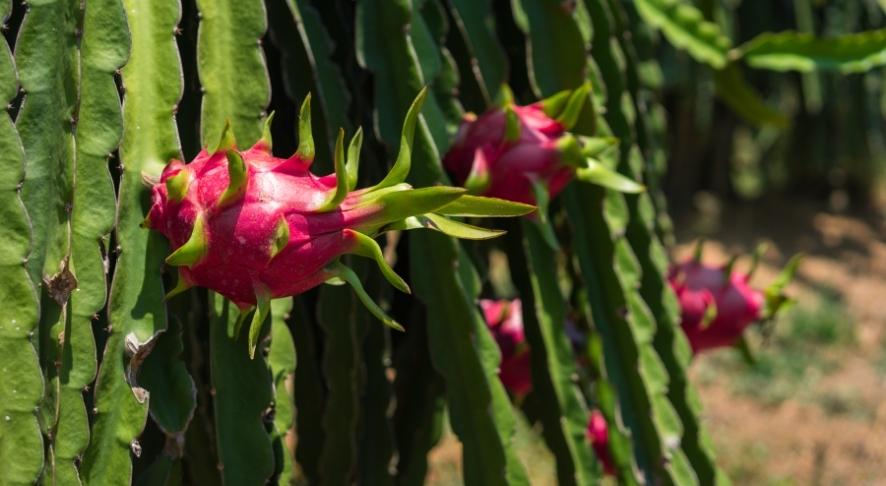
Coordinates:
x,y
718,303
598,433
526,154
505,320
254,227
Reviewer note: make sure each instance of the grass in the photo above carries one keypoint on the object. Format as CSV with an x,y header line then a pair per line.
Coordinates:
x,y
791,361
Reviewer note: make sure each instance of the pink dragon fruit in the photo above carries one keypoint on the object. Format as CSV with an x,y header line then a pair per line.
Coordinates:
x,y
598,433
514,152
254,227
716,304
505,320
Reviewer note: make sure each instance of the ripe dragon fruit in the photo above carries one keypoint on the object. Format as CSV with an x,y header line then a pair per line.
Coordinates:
x,y
718,303
505,320
598,433
526,154
254,227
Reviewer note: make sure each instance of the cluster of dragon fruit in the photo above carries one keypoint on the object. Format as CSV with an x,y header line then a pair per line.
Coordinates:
x,y
254,227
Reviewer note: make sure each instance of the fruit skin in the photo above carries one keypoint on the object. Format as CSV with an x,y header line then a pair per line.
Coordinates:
x,y
505,319
703,290
243,254
507,167
598,434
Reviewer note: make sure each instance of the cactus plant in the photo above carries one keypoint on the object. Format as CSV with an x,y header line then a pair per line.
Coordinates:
x,y
129,276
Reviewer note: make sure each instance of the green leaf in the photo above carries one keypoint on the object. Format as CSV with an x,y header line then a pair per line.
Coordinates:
x,y
236,179
348,275
192,251
477,206
794,51
353,166
368,247
686,28
544,225
400,170
305,149
446,226
341,176
744,100
262,311
599,174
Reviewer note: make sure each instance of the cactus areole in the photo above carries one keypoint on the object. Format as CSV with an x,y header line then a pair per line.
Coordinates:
x,y
505,320
716,304
254,227
526,154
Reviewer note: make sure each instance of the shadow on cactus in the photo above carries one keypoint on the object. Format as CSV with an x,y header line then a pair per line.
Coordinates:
x,y
254,227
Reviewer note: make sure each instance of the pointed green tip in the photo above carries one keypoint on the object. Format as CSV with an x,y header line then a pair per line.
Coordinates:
x,y
305,149
479,178
597,173
569,116
554,105
367,247
263,309
177,186
226,141
403,164
698,252
512,125
348,275
505,96
266,141
236,179
193,250
341,176
353,165
281,237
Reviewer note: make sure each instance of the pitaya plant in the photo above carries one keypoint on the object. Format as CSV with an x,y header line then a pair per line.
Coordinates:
x,y
254,227
717,303
526,153
505,319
